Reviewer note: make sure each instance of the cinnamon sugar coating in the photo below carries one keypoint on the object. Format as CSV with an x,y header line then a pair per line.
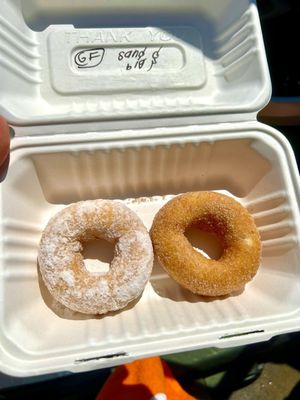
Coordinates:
x,y
224,217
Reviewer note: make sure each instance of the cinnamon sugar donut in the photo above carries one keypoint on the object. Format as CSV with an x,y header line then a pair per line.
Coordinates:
x,y
220,215
62,266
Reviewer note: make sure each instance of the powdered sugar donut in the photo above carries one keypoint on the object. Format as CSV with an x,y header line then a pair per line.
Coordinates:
x,y
62,266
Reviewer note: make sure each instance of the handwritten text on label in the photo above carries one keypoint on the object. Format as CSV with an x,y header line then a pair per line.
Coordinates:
x,y
89,58
136,59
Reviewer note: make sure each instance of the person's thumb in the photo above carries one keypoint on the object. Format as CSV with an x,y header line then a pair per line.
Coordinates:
x,y
4,147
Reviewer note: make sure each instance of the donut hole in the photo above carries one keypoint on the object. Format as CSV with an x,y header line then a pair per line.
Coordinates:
x,y
98,255
206,243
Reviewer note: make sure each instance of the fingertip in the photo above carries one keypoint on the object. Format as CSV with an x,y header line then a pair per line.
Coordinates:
x,y
4,168
4,140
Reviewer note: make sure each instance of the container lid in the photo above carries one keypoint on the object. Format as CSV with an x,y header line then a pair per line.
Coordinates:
x,y
129,61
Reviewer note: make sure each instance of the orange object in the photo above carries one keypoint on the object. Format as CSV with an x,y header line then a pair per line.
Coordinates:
x,y
146,379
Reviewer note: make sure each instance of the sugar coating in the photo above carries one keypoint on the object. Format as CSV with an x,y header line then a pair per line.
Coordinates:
x,y
62,265
229,221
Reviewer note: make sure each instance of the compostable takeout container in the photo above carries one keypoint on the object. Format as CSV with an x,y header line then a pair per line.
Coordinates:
x,y
159,98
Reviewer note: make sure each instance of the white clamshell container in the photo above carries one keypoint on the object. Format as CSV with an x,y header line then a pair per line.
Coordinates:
x,y
159,99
